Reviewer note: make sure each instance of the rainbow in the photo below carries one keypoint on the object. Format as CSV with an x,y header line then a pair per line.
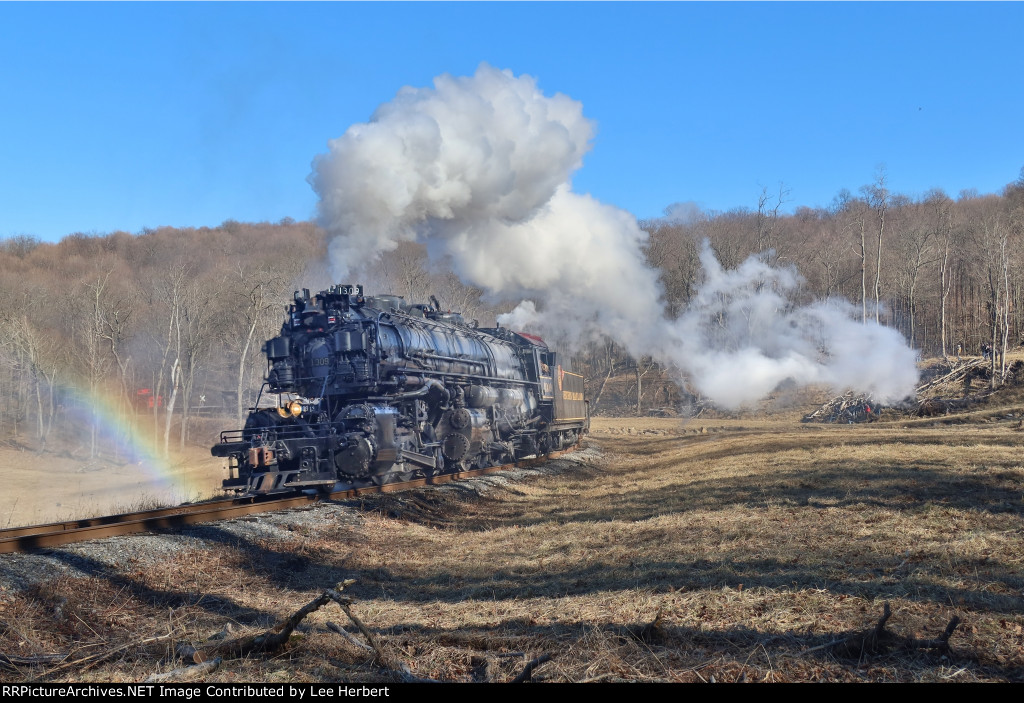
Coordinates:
x,y
130,437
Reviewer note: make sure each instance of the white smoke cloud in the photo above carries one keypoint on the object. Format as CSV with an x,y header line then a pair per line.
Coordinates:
x,y
490,148
742,336
479,169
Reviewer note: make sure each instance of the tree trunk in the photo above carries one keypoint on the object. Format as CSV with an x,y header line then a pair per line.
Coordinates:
x,y
240,406
169,412
944,288
863,273
1004,255
878,260
597,398
639,376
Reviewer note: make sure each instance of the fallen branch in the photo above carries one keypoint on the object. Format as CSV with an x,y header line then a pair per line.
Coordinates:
x,y
229,628
280,633
11,662
350,638
345,604
870,643
941,643
957,374
268,641
399,670
265,642
527,673
94,659
404,674
186,673
878,640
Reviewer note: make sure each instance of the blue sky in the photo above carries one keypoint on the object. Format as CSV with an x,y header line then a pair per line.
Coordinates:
x,y
124,115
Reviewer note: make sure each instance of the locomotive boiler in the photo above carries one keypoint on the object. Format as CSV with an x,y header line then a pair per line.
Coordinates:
x,y
371,389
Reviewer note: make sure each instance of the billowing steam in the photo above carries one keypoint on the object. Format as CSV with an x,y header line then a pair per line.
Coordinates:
x,y
479,169
740,337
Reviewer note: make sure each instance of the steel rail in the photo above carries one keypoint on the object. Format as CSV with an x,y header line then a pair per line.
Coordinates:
x,y
32,537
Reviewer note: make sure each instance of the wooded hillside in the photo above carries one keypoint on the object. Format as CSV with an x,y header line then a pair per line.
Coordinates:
x,y
164,327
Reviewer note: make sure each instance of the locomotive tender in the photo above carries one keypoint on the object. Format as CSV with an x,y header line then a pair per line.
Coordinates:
x,y
372,390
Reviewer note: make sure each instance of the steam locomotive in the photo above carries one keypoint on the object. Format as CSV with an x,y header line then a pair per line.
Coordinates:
x,y
372,389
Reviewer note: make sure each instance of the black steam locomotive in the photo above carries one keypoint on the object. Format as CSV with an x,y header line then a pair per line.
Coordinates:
x,y
372,390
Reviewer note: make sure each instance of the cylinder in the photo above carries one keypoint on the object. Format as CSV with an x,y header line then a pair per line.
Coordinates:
x,y
481,396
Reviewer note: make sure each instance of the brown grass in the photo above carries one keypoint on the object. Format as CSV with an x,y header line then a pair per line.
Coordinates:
x,y
56,485
757,541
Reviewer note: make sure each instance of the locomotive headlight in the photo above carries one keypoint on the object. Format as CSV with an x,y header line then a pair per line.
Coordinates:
x,y
295,408
283,412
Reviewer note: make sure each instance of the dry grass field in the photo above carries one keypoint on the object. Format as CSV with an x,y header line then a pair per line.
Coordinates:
x,y
42,487
760,550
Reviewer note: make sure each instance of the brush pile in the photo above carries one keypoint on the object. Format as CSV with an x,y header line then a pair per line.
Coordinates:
x,y
953,378
847,409
952,386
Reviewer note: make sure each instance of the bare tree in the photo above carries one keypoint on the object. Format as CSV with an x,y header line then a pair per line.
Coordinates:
x,y
940,207
856,210
39,358
93,330
672,250
830,248
172,297
608,350
995,238
455,295
768,208
260,292
878,198
915,249
404,271
643,366
195,336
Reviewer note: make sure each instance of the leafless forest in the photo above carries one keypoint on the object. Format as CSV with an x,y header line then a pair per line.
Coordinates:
x,y
165,325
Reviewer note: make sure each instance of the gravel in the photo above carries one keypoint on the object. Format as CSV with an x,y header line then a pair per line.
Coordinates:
x,y
124,555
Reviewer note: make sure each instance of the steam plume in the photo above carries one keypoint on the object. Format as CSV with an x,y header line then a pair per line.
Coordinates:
x,y
479,169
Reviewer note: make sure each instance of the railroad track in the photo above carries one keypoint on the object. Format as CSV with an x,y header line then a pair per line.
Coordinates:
x,y
25,539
